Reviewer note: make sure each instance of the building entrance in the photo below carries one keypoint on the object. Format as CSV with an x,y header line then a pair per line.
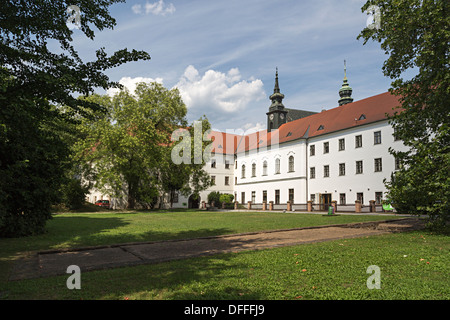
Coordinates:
x,y
193,203
325,201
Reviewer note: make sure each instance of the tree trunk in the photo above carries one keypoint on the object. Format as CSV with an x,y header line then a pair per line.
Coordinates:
x,y
131,197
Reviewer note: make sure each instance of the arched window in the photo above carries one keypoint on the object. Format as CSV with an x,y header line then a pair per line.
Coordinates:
x,y
265,168
277,165
243,171
291,164
253,169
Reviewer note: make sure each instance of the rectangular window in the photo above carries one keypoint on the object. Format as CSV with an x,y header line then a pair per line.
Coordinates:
x,y
342,199
378,197
360,197
326,171
253,196
243,197
264,196
378,165
359,167
227,164
342,169
277,196
313,198
326,147
213,180
213,163
175,197
291,195
377,137
341,144
227,181
254,170
358,141
312,173
312,150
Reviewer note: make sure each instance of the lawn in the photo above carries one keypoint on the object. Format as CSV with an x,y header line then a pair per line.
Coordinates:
x,y
414,265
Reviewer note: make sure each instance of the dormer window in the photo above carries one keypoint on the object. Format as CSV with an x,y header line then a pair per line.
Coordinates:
x,y
289,134
362,117
321,128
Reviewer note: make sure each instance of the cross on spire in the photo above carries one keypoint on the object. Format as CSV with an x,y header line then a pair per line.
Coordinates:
x,y
345,69
276,89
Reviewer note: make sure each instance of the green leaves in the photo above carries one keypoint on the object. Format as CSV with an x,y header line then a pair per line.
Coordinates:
x,y
129,148
416,34
37,103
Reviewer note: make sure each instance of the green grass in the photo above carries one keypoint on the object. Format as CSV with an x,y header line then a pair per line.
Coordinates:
x,y
333,270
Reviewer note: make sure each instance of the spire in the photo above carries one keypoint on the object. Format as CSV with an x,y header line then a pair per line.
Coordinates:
x,y
277,97
276,89
346,91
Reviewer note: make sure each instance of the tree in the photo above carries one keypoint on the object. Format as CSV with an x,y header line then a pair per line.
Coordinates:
x,y
33,82
127,151
187,178
415,34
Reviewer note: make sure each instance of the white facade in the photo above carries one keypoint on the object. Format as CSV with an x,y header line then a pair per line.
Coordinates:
x,y
272,172
221,169
334,164
352,170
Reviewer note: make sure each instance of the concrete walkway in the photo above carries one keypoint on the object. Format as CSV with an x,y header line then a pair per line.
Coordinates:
x,y
55,262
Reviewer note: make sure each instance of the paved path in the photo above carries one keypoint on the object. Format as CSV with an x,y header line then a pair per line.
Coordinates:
x,y
51,263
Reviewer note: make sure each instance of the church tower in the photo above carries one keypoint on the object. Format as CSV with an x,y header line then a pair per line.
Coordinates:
x,y
277,113
346,91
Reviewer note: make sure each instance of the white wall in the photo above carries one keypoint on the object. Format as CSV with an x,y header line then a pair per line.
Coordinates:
x,y
282,181
351,183
220,172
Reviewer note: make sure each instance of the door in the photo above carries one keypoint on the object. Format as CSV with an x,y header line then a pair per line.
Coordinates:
x,y
193,202
325,200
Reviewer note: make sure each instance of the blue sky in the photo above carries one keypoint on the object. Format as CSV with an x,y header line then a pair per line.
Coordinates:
x,y
222,55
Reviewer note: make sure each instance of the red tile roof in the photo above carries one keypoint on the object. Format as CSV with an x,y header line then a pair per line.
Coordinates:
x,y
343,117
224,143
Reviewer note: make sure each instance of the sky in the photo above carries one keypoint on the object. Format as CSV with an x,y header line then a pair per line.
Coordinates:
x,y
222,55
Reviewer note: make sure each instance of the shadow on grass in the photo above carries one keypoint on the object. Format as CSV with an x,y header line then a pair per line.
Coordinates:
x,y
191,276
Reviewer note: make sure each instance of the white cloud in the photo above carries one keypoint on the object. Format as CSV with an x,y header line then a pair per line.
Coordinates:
x,y
159,8
130,83
251,127
217,91
137,9
156,8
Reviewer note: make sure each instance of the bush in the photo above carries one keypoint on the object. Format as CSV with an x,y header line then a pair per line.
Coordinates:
x,y
74,194
214,196
227,198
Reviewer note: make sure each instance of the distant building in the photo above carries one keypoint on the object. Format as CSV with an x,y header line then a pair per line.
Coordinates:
x,y
340,154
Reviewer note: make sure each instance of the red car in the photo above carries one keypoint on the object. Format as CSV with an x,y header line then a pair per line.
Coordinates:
x,y
102,203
